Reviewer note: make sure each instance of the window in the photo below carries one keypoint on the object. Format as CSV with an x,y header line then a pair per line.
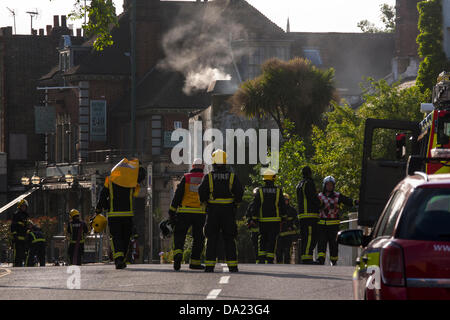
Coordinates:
x,y
177,125
385,225
427,216
156,135
17,146
313,55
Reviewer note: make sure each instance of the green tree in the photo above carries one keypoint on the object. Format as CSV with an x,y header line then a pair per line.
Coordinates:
x,y
102,17
387,18
430,41
295,90
338,147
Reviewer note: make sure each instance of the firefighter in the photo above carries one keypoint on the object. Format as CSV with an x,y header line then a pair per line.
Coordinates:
x,y
288,233
116,197
19,233
253,227
186,211
76,235
36,246
308,208
329,220
269,210
222,192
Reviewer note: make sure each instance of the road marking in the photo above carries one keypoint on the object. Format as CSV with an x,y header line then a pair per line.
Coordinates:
x,y
213,294
224,280
7,271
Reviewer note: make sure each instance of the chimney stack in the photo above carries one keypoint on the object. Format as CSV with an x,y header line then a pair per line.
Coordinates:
x,y
49,29
63,21
55,21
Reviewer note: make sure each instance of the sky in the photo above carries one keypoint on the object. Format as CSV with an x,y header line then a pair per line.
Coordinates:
x,y
304,15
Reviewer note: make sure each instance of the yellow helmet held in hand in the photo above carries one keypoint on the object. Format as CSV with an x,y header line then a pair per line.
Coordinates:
x,y
219,157
74,213
269,174
99,223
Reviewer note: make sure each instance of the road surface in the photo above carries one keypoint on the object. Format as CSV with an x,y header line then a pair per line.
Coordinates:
x,y
160,282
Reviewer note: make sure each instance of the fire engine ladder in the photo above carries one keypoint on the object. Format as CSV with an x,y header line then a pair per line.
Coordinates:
x,y
16,200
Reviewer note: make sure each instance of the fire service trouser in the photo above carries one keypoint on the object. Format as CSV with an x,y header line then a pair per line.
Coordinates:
x,y
184,222
309,236
221,219
120,229
268,233
328,235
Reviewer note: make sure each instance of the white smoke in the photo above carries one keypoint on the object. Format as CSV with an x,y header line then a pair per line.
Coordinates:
x,y
200,49
200,79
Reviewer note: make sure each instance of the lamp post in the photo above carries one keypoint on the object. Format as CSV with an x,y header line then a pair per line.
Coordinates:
x,y
25,181
35,180
69,178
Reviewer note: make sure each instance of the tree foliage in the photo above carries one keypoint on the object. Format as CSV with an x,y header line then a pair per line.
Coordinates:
x,y
294,90
387,18
430,41
338,147
102,16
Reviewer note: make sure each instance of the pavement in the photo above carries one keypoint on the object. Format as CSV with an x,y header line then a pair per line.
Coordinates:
x,y
161,282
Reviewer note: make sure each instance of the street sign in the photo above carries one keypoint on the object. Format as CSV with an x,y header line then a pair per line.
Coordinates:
x,y
44,119
98,120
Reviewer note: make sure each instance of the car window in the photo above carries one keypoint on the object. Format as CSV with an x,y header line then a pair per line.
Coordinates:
x,y
427,216
392,208
393,215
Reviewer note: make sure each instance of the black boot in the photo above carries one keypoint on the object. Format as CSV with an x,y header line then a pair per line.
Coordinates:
x,y
233,269
120,263
196,267
177,262
209,269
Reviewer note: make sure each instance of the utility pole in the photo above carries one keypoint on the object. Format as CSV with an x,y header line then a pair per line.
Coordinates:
x,y
13,12
133,79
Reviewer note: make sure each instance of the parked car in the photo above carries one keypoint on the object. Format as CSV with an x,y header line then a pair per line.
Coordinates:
x,y
407,255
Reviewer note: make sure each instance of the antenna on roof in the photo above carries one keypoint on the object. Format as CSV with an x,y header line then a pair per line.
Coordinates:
x,y
13,13
33,14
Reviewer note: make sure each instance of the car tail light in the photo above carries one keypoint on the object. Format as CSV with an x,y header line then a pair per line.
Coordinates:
x,y
392,265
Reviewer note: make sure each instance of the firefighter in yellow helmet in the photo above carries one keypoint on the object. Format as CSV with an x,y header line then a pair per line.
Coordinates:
x,y
186,211
116,197
76,234
269,210
19,233
221,191
36,246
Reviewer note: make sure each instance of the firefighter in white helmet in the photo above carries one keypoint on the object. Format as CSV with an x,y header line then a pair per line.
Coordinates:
x,y
185,212
222,192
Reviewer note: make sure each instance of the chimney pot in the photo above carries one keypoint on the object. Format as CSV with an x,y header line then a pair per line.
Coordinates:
x,y
55,21
49,29
63,21
79,32
41,32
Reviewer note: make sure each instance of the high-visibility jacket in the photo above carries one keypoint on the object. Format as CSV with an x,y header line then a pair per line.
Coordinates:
x,y
186,199
117,200
288,227
35,236
220,187
19,225
74,228
308,203
269,205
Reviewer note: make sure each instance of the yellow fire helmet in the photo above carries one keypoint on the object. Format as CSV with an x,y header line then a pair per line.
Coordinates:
x,y
99,223
286,196
74,213
219,157
22,202
269,174
125,173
